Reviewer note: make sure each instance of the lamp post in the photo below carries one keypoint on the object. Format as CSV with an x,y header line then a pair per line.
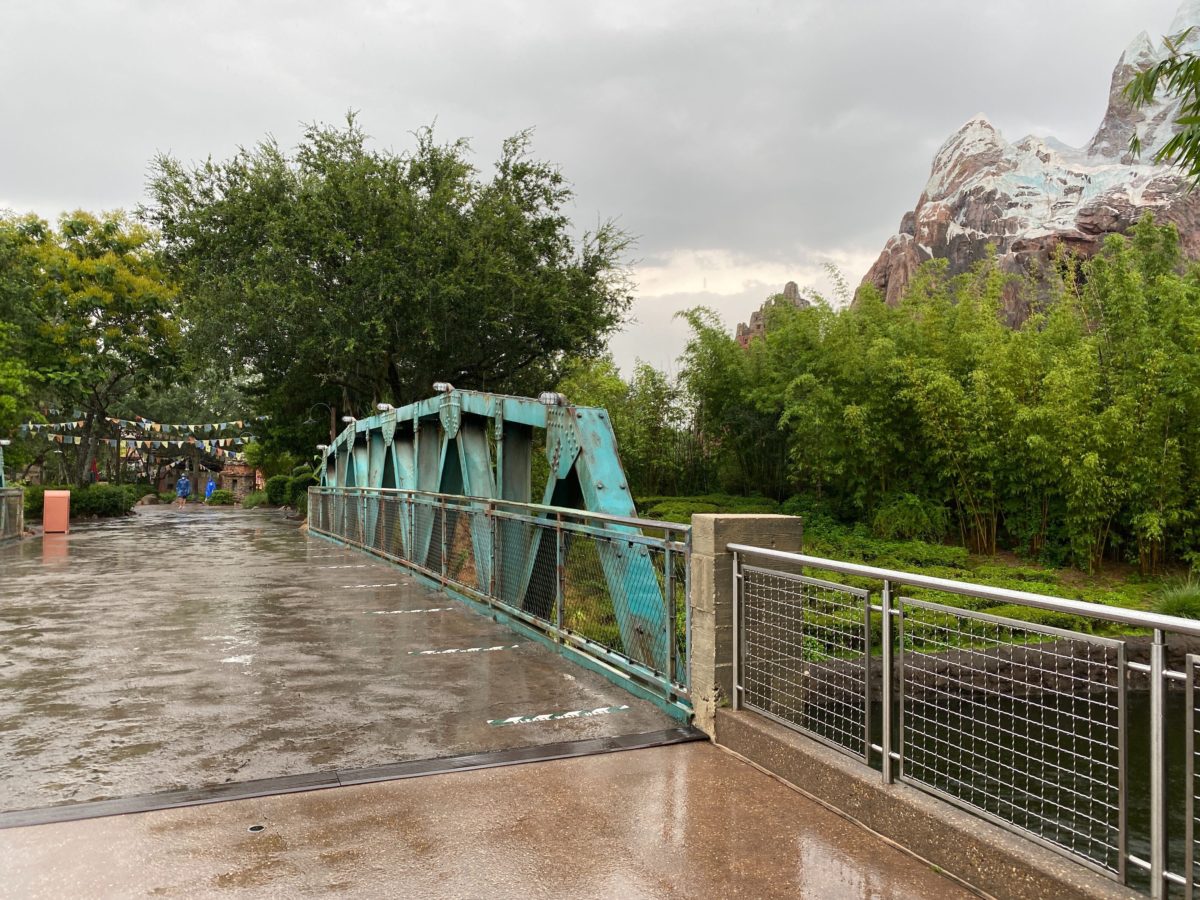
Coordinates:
x,y
332,419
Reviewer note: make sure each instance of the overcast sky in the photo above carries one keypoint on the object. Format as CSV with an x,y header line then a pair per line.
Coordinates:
x,y
745,144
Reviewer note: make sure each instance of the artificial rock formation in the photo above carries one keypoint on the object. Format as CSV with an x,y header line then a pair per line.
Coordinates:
x,y
757,326
1028,198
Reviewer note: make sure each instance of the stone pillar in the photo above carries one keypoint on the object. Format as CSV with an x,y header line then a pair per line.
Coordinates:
x,y
711,599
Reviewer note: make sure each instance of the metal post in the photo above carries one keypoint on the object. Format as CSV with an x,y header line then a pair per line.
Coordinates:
x,y
494,574
669,609
559,574
736,700
445,569
885,603
1158,775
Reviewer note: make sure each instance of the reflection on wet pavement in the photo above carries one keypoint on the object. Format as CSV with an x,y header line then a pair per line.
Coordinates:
x,y
180,648
684,821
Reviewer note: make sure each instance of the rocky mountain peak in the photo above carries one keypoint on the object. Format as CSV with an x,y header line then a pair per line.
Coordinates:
x,y
1027,198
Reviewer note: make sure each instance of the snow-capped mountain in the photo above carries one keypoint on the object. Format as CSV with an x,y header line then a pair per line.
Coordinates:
x,y
1029,197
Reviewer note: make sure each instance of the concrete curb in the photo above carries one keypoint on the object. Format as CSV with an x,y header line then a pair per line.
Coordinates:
x,y
982,855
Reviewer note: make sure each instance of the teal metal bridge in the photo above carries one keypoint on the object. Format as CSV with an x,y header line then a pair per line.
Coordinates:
x,y
445,488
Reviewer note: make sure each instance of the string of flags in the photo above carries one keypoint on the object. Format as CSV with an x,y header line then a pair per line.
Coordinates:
x,y
215,447
142,424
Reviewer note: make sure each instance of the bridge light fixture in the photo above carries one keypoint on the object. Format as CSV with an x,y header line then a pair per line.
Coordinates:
x,y
551,398
349,419
384,407
322,447
443,387
4,442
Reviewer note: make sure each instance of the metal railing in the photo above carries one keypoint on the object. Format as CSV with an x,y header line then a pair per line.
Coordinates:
x,y
12,513
611,587
1029,720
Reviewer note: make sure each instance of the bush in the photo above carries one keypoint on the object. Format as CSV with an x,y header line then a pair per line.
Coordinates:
x,y
302,505
166,496
298,487
220,498
277,489
906,517
1182,600
102,500
34,498
253,499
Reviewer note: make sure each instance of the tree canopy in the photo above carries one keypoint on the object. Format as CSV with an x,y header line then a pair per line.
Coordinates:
x,y
89,315
346,275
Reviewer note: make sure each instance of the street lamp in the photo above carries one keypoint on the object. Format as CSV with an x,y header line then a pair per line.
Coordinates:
x,y
332,425
384,407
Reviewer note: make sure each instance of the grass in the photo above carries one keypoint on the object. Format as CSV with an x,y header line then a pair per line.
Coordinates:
x,y
1180,599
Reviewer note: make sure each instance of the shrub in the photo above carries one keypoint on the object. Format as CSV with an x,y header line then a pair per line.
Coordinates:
x,y
302,504
103,500
34,498
1182,600
253,499
220,498
277,489
166,496
906,517
298,487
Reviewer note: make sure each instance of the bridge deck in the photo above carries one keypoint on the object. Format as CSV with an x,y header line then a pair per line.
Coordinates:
x,y
683,821
182,648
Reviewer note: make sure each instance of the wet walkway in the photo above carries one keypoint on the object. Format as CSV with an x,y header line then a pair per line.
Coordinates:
x,y
181,648
683,821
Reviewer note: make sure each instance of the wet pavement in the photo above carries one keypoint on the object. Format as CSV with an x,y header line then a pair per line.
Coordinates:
x,y
184,648
683,821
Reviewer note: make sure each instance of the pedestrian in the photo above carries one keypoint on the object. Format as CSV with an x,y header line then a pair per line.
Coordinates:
x,y
183,490
208,490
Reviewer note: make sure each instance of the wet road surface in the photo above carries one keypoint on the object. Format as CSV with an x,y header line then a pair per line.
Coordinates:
x,y
683,821
183,648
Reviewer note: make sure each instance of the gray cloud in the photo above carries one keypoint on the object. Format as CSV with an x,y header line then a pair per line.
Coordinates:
x,y
787,133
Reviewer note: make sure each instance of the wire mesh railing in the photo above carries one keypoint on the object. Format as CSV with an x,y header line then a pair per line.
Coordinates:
x,y
1007,704
12,513
611,587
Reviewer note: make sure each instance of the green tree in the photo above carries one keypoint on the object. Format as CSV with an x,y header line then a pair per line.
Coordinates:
x,y
90,313
346,275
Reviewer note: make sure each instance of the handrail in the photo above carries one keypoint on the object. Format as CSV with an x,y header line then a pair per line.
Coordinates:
x,y
1135,618
496,501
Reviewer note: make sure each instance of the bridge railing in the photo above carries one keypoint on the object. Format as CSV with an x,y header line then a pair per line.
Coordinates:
x,y
1005,703
12,513
613,588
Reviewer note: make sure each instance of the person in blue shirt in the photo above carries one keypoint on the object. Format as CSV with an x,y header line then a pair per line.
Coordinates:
x,y
208,490
183,490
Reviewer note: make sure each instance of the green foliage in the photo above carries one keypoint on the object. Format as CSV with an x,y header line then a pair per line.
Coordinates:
x,y
1181,599
278,488
87,315
343,275
1074,437
253,499
908,517
220,497
271,462
166,496
298,486
101,500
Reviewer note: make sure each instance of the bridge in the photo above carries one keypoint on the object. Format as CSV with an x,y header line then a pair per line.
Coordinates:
x,y
478,662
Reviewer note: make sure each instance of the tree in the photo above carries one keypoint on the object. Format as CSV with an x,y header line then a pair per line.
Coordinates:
x,y
90,314
346,275
1177,75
